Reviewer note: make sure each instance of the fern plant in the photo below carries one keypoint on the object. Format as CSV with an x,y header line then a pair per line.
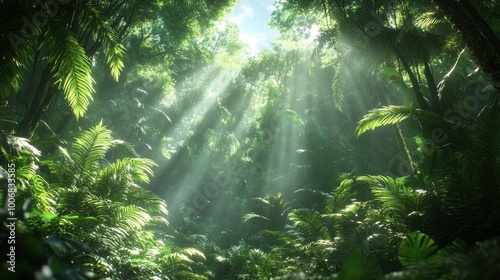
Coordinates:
x,y
104,204
92,191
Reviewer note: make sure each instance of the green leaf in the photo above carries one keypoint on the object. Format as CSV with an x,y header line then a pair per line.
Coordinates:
x,y
70,66
416,247
359,266
93,20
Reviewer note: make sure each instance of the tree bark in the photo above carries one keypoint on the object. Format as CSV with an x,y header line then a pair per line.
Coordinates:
x,y
482,42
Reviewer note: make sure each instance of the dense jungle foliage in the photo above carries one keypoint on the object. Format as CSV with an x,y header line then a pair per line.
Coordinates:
x,y
143,140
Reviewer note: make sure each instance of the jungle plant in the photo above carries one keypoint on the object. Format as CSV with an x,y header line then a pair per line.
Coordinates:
x,y
272,212
460,174
104,204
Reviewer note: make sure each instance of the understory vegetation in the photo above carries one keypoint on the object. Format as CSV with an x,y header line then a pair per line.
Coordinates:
x,y
146,140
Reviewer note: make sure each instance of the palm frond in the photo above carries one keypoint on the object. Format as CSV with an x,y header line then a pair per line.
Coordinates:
x,y
253,216
416,247
309,223
479,262
396,114
394,195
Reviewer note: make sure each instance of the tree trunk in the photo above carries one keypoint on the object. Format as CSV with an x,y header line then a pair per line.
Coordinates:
x,y
414,82
41,101
477,35
435,105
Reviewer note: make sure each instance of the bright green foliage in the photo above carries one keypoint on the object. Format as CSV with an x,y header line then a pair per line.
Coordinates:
x,y
396,114
93,19
70,67
104,205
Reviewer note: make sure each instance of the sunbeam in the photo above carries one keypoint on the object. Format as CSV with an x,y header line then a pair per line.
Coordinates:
x,y
249,139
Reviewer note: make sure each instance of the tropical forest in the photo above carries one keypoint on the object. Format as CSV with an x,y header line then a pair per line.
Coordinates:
x,y
249,139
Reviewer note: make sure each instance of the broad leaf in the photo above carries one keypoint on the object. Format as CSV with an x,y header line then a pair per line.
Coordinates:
x,y
416,247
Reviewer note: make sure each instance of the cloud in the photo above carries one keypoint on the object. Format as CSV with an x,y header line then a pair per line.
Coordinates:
x,y
246,12
254,41
312,35
271,8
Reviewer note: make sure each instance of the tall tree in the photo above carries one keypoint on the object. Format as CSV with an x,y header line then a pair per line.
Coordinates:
x,y
477,34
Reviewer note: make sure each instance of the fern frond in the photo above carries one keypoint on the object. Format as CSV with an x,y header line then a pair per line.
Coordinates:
x,y
192,252
70,66
483,143
368,240
36,187
139,168
339,85
131,217
93,20
146,199
351,217
106,238
89,149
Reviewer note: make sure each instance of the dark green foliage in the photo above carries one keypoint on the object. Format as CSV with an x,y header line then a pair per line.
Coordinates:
x,y
272,212
265,161
358,266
